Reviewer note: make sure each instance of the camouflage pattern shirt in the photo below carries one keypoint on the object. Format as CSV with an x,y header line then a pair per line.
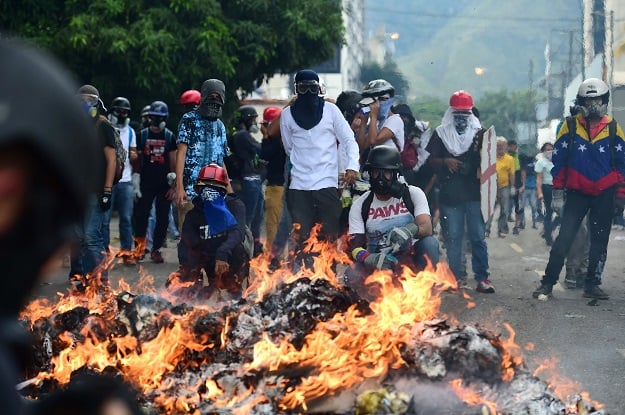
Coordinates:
x,y
206,143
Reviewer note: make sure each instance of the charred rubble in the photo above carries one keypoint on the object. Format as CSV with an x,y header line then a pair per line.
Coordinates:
x,y
436,353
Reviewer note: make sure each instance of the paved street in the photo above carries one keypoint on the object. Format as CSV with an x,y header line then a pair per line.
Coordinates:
x,y
588,340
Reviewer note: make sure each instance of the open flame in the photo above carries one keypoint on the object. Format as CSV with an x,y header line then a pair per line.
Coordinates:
x,y
338,354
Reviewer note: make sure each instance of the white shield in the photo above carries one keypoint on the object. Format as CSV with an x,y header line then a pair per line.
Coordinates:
x,y
488,173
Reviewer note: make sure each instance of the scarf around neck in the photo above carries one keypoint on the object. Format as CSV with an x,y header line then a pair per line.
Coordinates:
x,y
307,110
455,143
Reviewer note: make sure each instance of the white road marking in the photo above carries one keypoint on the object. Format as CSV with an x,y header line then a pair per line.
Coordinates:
x,y
516,247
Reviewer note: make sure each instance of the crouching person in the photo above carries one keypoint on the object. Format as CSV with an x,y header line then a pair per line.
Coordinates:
x,y
213,235
388,226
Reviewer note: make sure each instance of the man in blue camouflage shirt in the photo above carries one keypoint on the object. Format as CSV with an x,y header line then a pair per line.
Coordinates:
x,y
201,141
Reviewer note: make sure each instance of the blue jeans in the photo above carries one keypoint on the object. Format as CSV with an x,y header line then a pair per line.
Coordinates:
x,y
123,200
89,252
252,196
284,230
453,223
530,199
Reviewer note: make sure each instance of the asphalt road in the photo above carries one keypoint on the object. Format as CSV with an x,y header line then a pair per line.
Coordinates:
x,y
584,340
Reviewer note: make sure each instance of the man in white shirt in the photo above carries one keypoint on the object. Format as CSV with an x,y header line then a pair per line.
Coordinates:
x,y
388,225
123,197
311,128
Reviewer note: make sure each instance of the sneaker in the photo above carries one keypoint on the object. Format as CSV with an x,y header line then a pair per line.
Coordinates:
x,y
544,290
157,257
485,287
515,231
595,292
502,235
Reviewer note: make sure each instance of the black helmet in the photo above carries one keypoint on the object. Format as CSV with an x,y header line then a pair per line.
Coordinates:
x,y
383,157
121,103
62,183
245,113
347,101
378,87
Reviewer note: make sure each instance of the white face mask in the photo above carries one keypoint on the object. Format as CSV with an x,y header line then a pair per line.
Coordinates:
x,y
548,154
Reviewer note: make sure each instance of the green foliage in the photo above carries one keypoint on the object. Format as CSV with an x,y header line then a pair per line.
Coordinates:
x,y
504,109
429,109
389,72
148,50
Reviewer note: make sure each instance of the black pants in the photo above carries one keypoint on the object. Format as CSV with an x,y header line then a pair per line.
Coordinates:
x,y
142,214
548,220
308,207
577,204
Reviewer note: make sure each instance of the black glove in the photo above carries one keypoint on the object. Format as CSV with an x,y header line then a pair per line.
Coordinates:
x,y
105,201
619,202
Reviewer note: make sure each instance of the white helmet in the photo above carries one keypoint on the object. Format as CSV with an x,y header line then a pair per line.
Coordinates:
x,y
593,88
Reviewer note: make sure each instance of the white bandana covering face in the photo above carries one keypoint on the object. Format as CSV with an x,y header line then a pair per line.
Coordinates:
x,y
455,143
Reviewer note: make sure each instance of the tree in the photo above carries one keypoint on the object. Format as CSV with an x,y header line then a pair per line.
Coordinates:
x,y
147,50
429,109
505,109
389,72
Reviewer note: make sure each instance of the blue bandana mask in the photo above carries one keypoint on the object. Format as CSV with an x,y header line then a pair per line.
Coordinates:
x,y
385,106
218,217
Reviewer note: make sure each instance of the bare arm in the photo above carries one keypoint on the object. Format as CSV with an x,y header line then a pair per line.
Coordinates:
x,y
539,185
424,221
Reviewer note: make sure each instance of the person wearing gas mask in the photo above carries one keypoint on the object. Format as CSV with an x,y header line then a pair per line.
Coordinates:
x,y
544,186
311,128
45,190
123,196
201,141
384,127
246,150
588,177
157,157
454,150
87,258
388,225
213,237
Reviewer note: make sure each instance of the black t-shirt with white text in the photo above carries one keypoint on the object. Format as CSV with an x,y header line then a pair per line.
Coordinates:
x,y
155,149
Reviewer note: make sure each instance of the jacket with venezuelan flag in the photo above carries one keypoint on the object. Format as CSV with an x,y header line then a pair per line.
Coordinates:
x,y
586,165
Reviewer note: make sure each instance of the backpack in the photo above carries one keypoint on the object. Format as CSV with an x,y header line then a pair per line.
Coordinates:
x,y
409,155
120,152
366,204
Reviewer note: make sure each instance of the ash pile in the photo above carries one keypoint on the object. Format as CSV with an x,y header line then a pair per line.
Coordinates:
x,y
308,347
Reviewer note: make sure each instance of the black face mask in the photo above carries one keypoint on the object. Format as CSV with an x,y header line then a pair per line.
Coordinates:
x,y
461,121
210,109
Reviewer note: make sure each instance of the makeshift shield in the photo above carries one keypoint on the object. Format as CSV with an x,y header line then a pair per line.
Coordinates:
x,y
488,173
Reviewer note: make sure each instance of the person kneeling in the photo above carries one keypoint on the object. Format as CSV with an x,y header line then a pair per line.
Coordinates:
x,y
389,225
213,236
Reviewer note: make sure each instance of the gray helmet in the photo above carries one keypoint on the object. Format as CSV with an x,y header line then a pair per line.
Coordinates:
x,y
378,87
145,110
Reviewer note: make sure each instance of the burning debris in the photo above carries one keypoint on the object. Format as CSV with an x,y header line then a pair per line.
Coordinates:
x,y
305,345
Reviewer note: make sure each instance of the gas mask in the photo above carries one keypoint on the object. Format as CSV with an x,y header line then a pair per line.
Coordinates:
x,y
210,109
119,118
91,110
253,128
383,185
158,122
595,110
461,121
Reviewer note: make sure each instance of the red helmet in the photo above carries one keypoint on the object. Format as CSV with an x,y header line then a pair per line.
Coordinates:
x,y
461,100
270,113
213,175
191,96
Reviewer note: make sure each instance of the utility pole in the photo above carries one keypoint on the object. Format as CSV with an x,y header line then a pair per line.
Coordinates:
x,y
583,40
